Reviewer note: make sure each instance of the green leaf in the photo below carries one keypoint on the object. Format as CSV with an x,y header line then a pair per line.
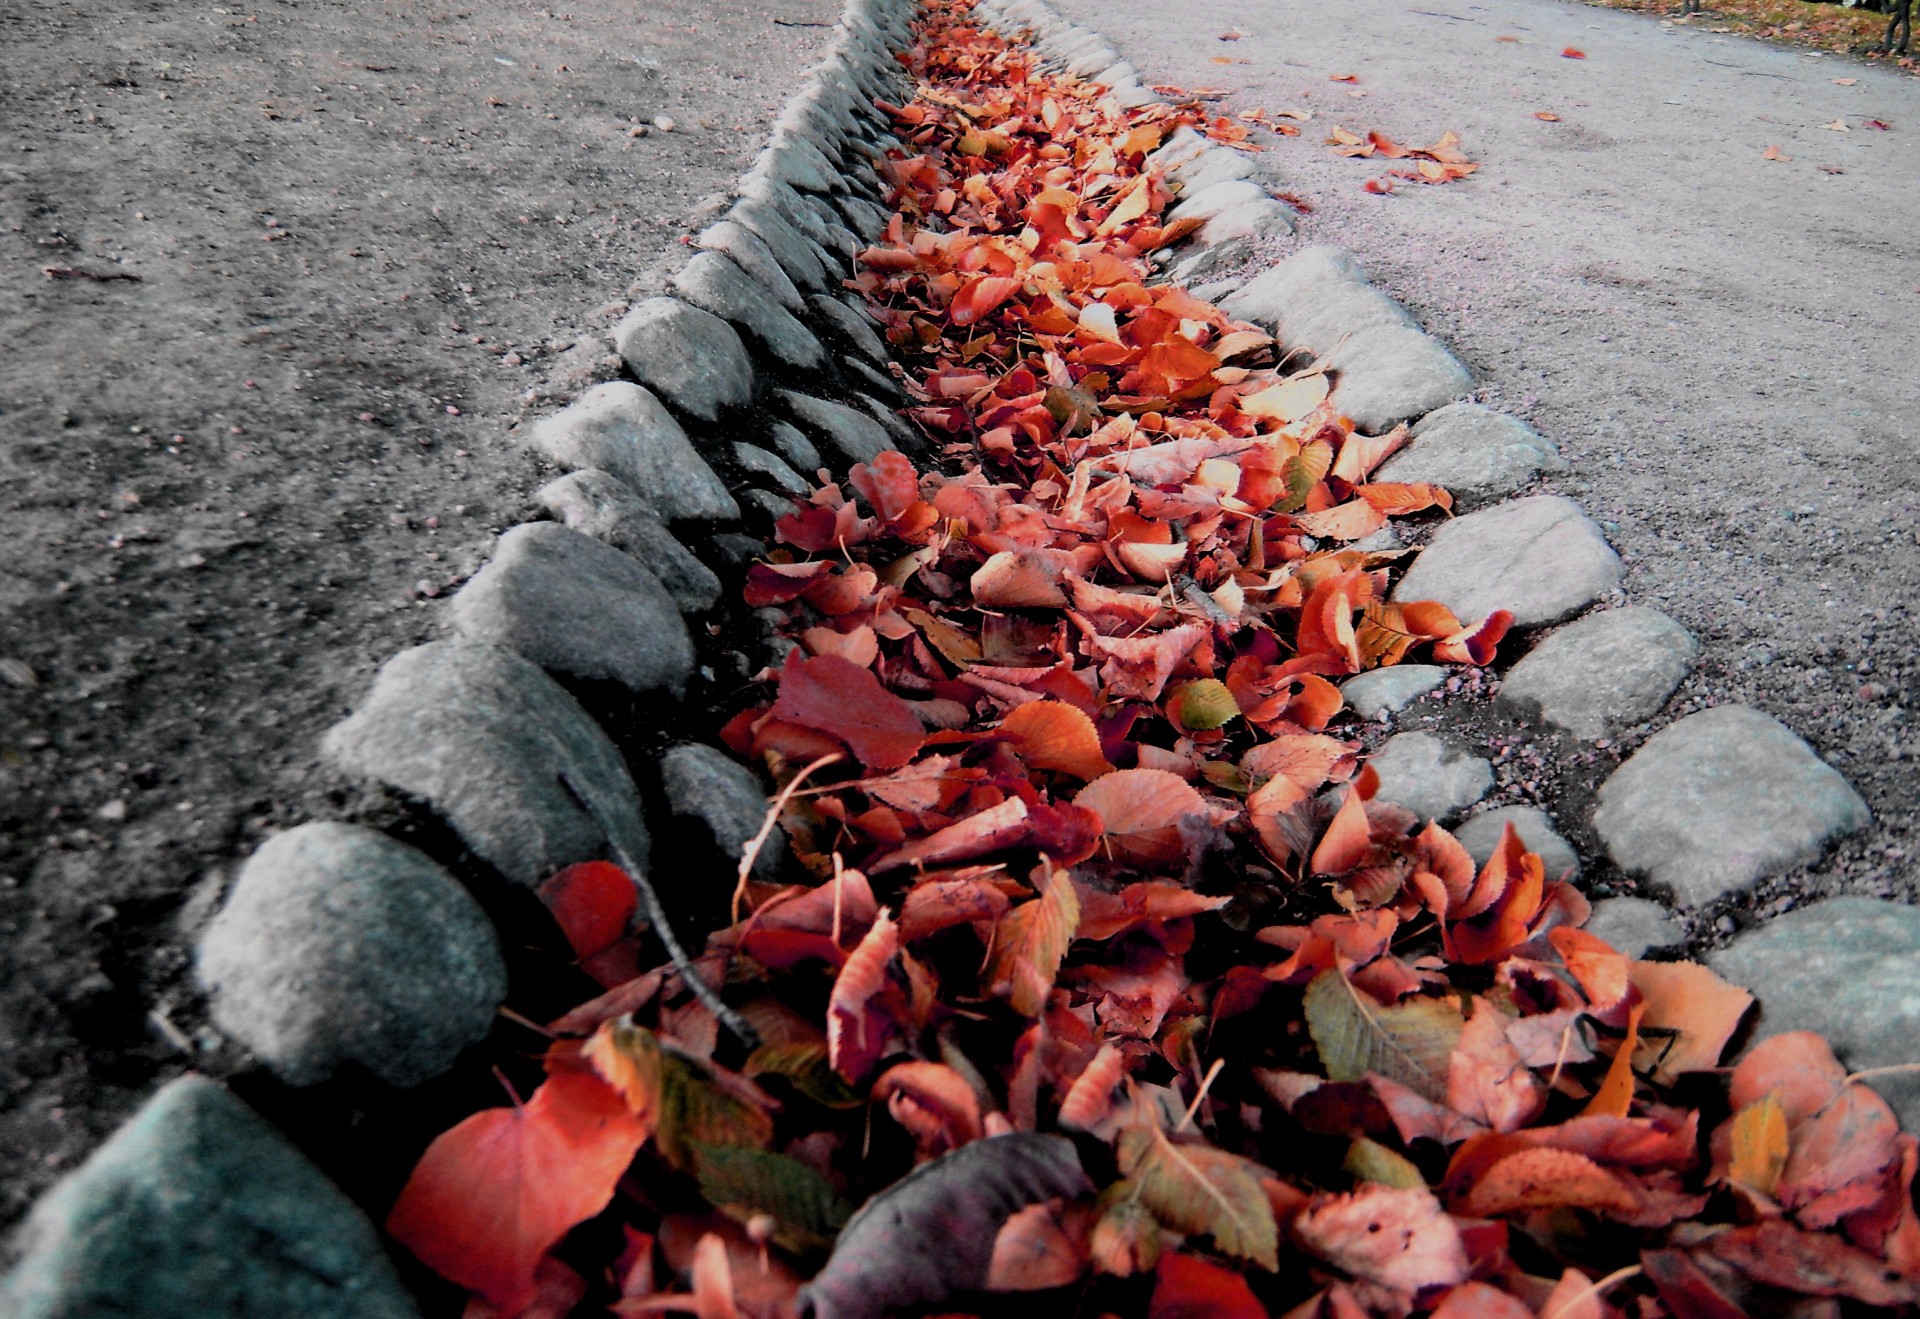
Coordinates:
x,y
672,1090
805,1067
1370,1161
807,1213
1411,1042
1197,1188
1302,473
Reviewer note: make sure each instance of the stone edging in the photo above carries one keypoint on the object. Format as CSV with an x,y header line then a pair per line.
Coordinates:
x,y
339,945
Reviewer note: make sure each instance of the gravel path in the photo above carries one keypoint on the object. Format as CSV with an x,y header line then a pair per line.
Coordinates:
x,y
1722,345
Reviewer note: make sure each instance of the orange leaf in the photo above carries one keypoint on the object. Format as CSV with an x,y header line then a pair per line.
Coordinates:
x,y
1546,1179
980,296
1030,943
1573,54
493,1194
1140,811
1039,1248
1592,961
1187,1287
857,1026
1089,1100
1396,1238
1688,998
1615,1095
1344,846
1053,735
1019,579
932,1101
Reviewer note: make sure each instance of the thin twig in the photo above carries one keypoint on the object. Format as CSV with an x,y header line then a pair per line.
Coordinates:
x,y
751,852
1200,1096
1897,1069
1618,1275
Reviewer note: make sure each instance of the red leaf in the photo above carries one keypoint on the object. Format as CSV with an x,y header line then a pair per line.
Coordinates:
x,y
980,296
1055,736
1187,1287
1141,810
492,1195
1572,54
833,695
594,903
858,1024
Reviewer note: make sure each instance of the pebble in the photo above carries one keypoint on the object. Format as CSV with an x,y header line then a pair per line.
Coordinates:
x,y
1845,969
1315,298
1391,689
1719,799
1635,926
759,462
1602,673
795,447
1255,219
340,945
1218,198
750,252
1476,453
1203,261
1217,165
1387,374
769,506
786,243
853,436
578,608
713,283
724,797
1540,557
483,737
599,504
1428,777
198,1207
867,220
1481,834
620,428
855,327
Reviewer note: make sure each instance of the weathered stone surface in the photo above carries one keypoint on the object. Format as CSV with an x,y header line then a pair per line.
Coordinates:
x,y
788,245
1203,261
1216,165
1481,834
1602,673
1257,218
715,284
765,504
853,436
484,738
1214,290
691,357
867,220
881,387
1541,557
1428,777
1635,925
795,447
725,796
1844,968
340,945
1181,146
1315,298
1721,798
1379,691
903,435
1205,203
576,607
1473,451
620,428
1387,374
198,1208
600,505
760,463
851,325
750,252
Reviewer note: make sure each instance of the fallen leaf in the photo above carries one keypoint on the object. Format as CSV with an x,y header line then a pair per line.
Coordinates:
x,y
1546,116
1393,1238
1411,1043
1037,1249
1774,153
1196,1188
1700,1008
838,697
1846,82
1187,1287
1571,53
1837,126
1140,812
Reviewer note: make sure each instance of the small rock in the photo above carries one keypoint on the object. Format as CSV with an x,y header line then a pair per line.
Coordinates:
x,y
1473,451
1202,262
197,1207
787,244
1481,835
1217,199
854,436
1390,689
340,945
1260,218
759,462
1721,798
904,436
484,738
868,220
769,506
713,283
1215,290
1540,557
1387,374
1635,926
577,608
1314,299
1602,673
620,428
857,329
1843,968
1182,146
1429,778
600,505
795,447
1218,165
727,798
750,252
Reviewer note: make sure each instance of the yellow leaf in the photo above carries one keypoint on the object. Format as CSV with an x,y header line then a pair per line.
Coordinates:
x,y
1759,1145
1030,943
1197,1188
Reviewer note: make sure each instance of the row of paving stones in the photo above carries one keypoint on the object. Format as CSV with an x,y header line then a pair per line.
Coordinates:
x,y
1708,804
340,948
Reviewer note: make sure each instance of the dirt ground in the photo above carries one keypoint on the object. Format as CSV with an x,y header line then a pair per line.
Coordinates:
x,y
361,240
1721,344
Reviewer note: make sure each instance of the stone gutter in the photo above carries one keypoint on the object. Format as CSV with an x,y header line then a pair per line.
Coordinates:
x,y
342,949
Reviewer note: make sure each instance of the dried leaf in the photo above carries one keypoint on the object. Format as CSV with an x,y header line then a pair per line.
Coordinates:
x,y
1200,1189
1411,1043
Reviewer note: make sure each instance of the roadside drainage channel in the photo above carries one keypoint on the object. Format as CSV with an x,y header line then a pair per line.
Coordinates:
x,y
343,951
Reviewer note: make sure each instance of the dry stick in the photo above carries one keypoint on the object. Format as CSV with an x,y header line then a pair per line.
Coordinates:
x,y
657,917
1896,1069
751,852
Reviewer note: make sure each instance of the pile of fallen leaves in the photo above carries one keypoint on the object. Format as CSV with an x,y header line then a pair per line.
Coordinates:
x,y
1111,981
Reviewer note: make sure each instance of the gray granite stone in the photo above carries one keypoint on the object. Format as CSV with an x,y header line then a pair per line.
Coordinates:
x,y
1387,374
1205,203
578,608
715,284
865,219
725,797
788,244
1314,299
1384,691
1481,834
485,739
772,472
1473,451
800,165
691,357
1428,777
339,945
1260,217
1218,165
600,505
1717,800
1602,673
1203,261
1181,146
1542,558
750,252
1845,969
621,428
1214,290
198,1208
765,504
885,390
903,435
853,436
795,447
1635,926
854,327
